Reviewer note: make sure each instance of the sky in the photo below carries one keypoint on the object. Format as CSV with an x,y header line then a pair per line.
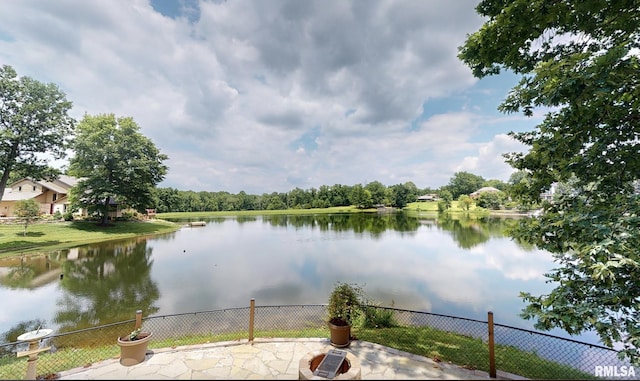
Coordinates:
x,y
265,96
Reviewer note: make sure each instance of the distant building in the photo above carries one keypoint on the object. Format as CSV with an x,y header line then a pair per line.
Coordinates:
x,y
428,197
548,194
477,193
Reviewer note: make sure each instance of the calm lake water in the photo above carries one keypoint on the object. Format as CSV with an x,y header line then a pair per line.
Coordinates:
x,y
456,267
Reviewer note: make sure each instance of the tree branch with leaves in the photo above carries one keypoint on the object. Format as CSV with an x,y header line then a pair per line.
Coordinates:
x,y
579,62
33,122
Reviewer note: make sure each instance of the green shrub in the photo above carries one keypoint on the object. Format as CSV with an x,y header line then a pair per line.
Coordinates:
x,y
375,317
510,205
345,303
129,215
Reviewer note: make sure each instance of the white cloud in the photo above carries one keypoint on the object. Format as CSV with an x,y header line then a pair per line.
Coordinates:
x,y
231,96
488,161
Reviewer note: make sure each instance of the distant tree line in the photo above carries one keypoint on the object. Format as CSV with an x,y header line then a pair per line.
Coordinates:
x,y
367,196
362,196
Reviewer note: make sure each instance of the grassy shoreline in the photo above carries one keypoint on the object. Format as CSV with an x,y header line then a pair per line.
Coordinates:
x,y
427,207
44,237
332,210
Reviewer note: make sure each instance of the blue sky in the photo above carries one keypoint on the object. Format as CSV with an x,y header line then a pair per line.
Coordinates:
x,y
266,96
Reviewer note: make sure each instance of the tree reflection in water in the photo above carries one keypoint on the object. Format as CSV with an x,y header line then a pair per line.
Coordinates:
x,y
108,284
373,223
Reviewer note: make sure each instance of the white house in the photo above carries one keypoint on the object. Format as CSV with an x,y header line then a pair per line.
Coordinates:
x,y
548,194
51,195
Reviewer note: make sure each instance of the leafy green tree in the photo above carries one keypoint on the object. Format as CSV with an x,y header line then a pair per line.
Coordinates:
x,y
211,201
490,200
495,183
427,190
275,201
323,197
412,190
360,197
193,202
465,202
340,195
28,211
446,198
517,177
464,183
168,200
33,121
445,201
298,199
245,201
378,192
520,180
114,162
580,61
399,195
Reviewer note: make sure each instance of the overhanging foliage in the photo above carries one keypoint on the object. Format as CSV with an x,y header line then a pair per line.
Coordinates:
x,y
580,62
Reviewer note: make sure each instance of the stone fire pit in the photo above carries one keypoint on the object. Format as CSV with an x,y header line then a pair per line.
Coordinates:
x,y
349,369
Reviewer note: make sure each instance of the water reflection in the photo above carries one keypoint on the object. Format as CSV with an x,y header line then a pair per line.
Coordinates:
x,y
106,284
374,224
18,329
31,271
456,266
93,285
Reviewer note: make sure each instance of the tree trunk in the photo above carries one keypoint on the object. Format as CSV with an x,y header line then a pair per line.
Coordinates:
x,y
3,182
11,158
105,214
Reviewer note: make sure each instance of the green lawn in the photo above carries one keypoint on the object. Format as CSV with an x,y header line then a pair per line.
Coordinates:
x,y
60,235
432,206
411,207
468,352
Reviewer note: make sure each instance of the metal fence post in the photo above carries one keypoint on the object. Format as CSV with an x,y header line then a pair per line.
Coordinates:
x,y
492,355
252,310
138,319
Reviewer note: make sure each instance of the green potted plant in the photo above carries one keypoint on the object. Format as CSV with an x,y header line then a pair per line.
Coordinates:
x,y
133,347
344,305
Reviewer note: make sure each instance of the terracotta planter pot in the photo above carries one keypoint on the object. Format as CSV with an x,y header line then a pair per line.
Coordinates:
x,y
340,335
134,352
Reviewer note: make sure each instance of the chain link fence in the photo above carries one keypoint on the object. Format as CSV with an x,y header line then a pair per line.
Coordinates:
x,y
461,341
591,360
